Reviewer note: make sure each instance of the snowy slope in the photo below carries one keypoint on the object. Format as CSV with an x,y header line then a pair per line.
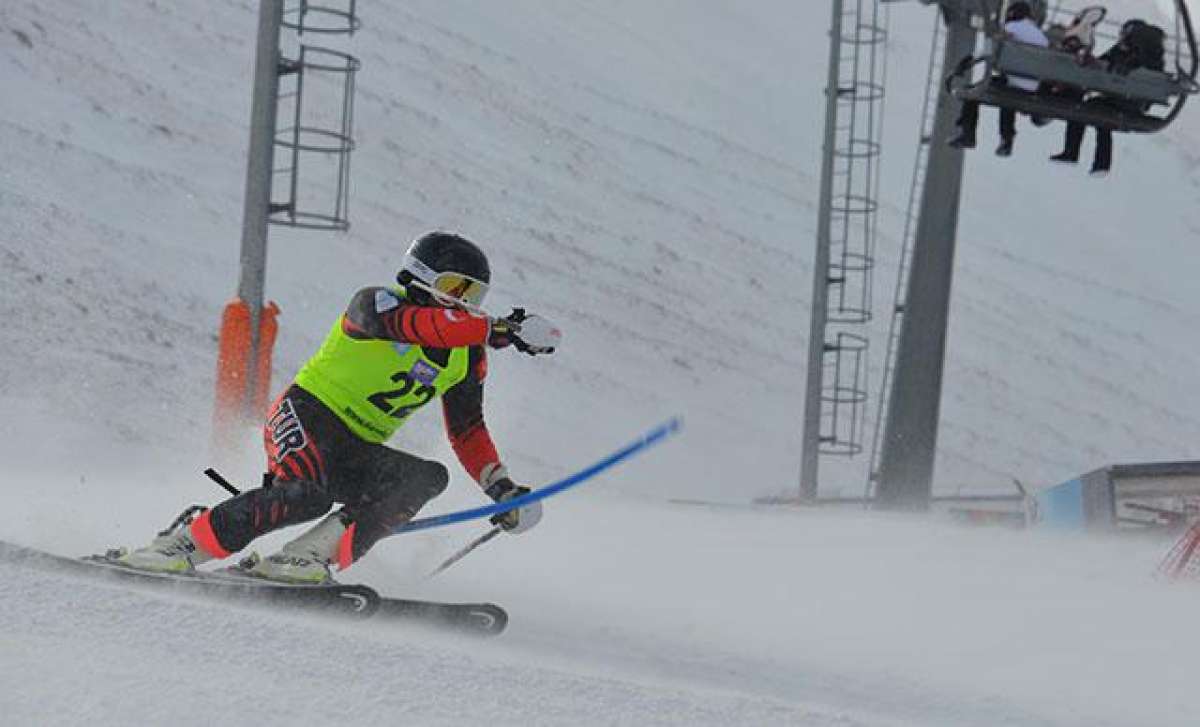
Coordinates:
x,y
646,173
655,213
683,616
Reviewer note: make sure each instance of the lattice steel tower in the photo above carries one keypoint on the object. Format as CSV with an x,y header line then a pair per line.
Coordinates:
x,y
836,397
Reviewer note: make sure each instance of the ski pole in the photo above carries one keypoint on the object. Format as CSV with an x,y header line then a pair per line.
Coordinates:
x,y
462,553
650,439
215,476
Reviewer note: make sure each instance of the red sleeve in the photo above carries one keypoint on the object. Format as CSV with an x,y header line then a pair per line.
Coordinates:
x,y
378,313
462,407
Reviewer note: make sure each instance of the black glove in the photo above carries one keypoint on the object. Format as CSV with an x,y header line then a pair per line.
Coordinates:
x,y
504,330
520,519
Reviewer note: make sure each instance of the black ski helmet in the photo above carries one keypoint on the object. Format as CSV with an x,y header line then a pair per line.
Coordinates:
x,y
437,258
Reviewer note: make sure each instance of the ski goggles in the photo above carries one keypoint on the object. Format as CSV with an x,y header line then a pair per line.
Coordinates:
x,y
456,288
461,287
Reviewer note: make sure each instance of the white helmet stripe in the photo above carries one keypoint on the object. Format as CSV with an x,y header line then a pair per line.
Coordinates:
x,y
420,270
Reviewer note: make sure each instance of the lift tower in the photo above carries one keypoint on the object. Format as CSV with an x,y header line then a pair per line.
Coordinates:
x,y
297,174
904,478
842,272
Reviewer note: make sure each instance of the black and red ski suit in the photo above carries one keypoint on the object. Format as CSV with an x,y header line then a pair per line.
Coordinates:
x,y
315,460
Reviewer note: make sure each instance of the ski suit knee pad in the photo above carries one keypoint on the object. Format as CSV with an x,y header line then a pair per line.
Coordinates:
x,y
435,480
395,504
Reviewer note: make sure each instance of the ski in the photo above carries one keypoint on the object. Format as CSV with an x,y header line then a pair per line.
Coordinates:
x,y
341,599
483,619
349,600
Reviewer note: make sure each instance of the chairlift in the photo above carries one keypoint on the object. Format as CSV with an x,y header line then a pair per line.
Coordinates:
x,y
1135,94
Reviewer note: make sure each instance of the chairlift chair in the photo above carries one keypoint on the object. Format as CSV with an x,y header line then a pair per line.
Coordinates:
x,y
1138,91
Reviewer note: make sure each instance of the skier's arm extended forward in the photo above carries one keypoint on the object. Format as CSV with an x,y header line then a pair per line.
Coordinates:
x,y
380,313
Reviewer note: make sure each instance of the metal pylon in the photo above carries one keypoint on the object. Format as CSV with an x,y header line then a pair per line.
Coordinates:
x,y
904,478
846,231
933,82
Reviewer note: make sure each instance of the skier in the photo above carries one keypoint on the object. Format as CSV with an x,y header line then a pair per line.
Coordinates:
x,y
393,351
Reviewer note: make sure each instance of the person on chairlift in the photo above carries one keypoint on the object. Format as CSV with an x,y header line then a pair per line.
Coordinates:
x,y
1078,40
1140,45
1079,37
1020,26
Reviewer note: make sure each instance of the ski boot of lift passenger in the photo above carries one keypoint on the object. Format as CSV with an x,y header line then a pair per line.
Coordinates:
x,y
963,140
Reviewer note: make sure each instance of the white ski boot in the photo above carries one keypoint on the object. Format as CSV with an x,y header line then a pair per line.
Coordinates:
x,y
307,558
174,550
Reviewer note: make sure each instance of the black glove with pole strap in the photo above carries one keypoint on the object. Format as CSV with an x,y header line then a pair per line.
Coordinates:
x,y
529,333
520,519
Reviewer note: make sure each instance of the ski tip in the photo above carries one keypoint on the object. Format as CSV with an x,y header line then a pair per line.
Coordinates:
x,y
472,619
491,618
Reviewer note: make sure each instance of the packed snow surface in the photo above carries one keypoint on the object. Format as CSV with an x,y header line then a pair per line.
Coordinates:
x,y
646,174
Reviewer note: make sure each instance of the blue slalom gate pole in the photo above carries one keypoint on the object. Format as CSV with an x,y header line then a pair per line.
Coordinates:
x,y
646,441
